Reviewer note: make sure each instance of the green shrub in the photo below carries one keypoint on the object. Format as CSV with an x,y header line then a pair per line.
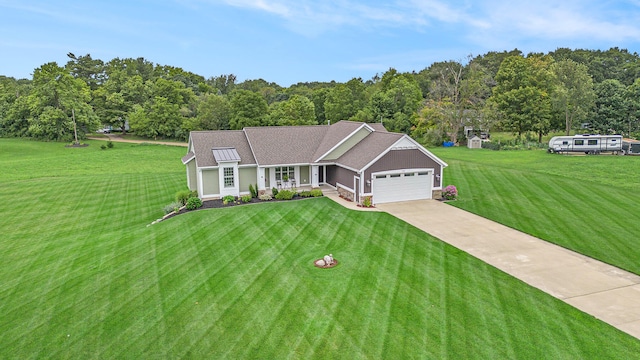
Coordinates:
x,y
253,190
194,203
513,144
265,197
316,193
274,192
366,202
305,194
110,144
490,145
194,193
103,147
246,198
228,199
450,192
183,196
173,207
285,195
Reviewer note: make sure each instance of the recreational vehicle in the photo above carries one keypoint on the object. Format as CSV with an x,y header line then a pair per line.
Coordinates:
x,y
589,144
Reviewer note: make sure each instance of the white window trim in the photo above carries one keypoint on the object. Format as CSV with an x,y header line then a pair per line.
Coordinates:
x,y
226,177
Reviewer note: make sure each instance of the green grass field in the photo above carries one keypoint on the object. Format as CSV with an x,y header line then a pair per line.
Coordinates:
x,y
83,276
590,204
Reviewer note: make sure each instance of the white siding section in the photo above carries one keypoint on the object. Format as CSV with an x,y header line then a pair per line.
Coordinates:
x,y
404,143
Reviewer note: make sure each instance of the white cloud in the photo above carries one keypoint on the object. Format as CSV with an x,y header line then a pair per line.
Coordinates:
x,y
273,7
566,20
310,16
447,12
544,19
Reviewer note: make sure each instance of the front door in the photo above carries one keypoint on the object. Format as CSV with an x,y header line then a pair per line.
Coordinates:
x,y
321,174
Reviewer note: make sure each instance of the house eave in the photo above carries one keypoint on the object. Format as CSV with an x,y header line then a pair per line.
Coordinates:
x,y
188,158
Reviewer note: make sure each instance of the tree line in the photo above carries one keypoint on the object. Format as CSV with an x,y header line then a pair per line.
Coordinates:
x,y
534,93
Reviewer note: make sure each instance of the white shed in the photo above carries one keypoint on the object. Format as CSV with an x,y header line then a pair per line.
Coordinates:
x,y
474,143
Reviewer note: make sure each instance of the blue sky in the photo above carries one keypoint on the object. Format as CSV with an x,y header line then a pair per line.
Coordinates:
x,y
290,41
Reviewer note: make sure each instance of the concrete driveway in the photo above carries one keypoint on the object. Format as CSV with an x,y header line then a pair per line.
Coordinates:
x,y
608,293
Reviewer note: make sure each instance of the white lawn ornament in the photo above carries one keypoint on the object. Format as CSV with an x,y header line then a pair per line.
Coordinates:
x,y
320,262
328,259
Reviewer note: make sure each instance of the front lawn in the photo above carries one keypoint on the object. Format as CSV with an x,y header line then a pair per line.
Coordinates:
x,y
83,276
589,204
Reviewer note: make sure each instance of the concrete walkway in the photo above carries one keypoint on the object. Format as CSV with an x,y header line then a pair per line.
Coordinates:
x,y
332,194
608,293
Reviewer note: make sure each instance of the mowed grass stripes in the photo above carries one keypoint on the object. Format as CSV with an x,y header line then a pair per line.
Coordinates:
x,y
83,276
589,204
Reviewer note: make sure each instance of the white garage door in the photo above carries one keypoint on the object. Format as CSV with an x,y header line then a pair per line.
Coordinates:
x,y
402,187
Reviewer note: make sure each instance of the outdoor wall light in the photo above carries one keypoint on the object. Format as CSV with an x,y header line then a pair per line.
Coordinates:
x,y
368,182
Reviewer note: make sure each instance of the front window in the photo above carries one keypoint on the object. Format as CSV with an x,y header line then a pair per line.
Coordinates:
x,y
228,178
285,170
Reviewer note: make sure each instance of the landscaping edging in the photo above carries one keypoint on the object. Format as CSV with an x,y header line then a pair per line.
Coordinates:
x,y
219,203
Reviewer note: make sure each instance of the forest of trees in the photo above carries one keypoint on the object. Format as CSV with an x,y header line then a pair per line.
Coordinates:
x,y
508,91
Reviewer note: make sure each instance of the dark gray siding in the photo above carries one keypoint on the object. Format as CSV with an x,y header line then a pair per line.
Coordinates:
x,y
402,159
345,177
331,175
336,174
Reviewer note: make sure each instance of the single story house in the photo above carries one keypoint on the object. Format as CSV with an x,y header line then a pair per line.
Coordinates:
x,y
358,159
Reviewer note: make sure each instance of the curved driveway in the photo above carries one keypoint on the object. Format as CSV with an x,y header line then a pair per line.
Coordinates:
x,y
608,293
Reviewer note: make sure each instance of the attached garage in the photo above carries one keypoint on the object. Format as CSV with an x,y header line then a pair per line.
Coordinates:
x,y
402,186
364,162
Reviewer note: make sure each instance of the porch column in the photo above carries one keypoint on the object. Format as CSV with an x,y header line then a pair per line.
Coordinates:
x,y
261,179
199,183
314,176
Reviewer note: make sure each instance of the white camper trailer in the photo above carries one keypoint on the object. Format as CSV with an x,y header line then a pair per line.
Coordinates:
x,y
589,144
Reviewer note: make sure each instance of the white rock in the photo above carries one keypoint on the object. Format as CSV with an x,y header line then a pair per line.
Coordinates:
x,y
320,262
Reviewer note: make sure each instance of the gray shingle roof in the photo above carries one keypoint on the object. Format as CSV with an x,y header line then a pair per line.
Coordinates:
x,y
378,127
204,141
368,149
190,155
336,133
278,145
